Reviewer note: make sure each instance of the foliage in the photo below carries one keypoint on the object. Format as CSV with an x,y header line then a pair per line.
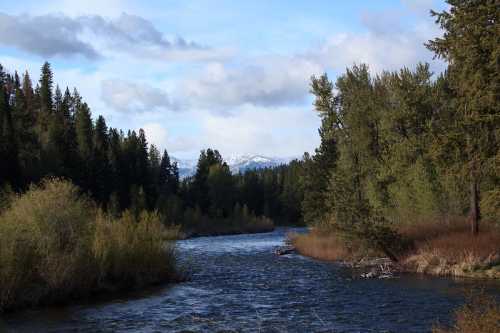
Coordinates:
x,y
480,314
55,244
403,147
45,132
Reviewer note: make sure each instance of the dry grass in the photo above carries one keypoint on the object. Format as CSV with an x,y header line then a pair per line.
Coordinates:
x,y
450,249
323,244
438,248
55,245
480,314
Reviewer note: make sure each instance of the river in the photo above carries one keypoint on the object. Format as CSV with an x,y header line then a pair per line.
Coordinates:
x,y
238,284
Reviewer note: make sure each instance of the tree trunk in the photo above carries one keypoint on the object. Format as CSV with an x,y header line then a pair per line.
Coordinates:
x,y
474,214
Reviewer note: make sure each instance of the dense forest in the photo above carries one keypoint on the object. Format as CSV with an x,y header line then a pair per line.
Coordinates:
x,y
411,147
45,132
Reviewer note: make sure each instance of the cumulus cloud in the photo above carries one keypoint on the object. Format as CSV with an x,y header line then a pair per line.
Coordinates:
x,y
46,35
268,81
387,43
160,136
380,52
124,96
287,131
60,35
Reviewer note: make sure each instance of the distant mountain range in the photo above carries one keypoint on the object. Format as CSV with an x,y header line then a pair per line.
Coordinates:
x,y
237,163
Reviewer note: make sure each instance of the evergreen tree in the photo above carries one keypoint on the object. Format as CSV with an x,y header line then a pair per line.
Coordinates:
x,y
471,46
102,186
164,174
319,168
9,170
44,93
84,136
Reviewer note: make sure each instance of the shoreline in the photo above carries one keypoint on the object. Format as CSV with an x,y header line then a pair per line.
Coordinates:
x,y
422,260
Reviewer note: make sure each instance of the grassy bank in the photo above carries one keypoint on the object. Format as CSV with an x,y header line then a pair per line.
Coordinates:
x,y
55,245
434,248
480,314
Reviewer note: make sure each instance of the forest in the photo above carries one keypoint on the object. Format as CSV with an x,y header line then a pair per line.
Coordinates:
x,y
409,161
80,199
407,170
48,133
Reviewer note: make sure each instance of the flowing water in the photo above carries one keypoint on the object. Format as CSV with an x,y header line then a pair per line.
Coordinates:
x,y
238,284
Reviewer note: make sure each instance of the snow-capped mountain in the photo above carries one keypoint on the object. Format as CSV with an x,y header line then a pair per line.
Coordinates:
x,y
236,163
242,163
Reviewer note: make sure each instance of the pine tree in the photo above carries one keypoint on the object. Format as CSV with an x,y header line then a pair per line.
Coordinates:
x,y
164,174
319,167
84,131
84,138
101,172
44,93
471,46
9,170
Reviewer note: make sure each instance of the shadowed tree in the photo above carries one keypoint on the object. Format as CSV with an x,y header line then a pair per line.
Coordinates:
x,y
471,45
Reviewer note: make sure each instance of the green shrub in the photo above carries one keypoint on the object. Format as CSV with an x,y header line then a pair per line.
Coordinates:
x,y
133,252
55,245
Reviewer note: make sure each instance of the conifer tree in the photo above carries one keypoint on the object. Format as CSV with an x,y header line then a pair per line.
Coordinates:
x,y
45,96
320,166
471,46
9,170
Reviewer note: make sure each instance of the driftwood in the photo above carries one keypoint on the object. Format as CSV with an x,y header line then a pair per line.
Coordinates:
x,y
282,250
382,268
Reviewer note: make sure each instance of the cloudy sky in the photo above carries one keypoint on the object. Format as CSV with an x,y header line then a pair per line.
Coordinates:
x,y
227,74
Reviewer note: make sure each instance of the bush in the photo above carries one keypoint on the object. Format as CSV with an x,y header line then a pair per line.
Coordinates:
x,y
480,314
55,245
128,252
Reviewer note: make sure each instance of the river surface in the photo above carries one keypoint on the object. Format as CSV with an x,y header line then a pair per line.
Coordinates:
x,y
238,284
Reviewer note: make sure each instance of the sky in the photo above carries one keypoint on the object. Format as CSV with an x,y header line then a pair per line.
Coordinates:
x,y
224,74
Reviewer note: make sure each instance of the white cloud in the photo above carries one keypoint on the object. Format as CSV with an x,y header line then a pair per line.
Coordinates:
x,y
232,102
60,35
156,134
124,96
287,131
283,80
267,81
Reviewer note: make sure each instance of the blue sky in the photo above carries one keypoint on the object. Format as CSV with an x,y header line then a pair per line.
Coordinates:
x,y
232,75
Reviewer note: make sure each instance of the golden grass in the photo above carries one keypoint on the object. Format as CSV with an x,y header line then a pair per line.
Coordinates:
x,y
481,314
437,248
55,245
323,244
450,249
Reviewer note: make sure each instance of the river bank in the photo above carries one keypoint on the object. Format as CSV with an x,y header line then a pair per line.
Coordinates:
x,y
238,284
57,247
441,250
259,226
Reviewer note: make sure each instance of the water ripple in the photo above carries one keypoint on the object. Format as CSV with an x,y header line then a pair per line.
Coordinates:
x,y
239,285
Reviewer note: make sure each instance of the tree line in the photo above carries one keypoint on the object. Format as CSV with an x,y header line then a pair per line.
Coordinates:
x,y
45,132
409,146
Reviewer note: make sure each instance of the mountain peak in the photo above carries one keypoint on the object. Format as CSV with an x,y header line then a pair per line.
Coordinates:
x,y
236,163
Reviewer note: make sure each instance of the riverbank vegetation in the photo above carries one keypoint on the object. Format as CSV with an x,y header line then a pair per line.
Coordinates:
x,y
406,157
56,244
481,313
47,132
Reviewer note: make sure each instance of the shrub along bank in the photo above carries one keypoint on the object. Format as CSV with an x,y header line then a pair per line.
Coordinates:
x,y
55,245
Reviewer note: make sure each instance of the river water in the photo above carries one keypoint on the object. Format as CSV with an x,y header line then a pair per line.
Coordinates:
x,y
238,284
